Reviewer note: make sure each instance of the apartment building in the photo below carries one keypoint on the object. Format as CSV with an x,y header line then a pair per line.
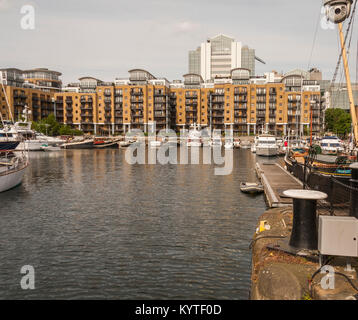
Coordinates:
x,y
248,105
137,102
239,102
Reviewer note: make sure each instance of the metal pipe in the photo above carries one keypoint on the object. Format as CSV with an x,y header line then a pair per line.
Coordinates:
x,y
354,192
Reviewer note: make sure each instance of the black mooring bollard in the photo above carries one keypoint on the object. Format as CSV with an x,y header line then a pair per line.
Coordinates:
x,y
304,233
354,192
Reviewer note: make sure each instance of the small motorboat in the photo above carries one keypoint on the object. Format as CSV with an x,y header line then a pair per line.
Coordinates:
x,y
251,187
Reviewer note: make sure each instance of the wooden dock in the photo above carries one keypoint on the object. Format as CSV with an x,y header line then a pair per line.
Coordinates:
x,y
276,180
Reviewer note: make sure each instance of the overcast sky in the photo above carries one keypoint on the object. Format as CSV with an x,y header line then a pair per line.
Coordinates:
x,y
106,38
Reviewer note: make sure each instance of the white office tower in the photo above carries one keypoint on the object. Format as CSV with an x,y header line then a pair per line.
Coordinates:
x,y
218,56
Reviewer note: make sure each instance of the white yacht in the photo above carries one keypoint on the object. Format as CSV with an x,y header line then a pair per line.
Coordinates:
x,y
229,145
157,143
266,145
254,144
331,145
32,140
194,137
216,140
9,139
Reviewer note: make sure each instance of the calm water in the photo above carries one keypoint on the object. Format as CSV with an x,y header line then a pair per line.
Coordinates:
x,y
94,226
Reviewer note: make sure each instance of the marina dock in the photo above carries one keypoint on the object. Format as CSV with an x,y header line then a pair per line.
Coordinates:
x,y
275,180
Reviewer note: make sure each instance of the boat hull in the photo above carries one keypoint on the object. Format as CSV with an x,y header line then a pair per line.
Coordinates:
x,y
31,145
9,145
266,152
12,179
327,180
78,145
106,145
251,188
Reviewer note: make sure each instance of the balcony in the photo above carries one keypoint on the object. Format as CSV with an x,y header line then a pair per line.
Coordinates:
x,y
136,93
136,108
136,101
86,115
218,102
19,104
86,107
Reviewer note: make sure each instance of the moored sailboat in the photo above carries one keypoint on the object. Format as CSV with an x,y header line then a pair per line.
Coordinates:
x,y
12,170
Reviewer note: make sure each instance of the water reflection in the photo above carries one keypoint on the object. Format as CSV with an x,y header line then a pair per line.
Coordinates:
x,y
94,226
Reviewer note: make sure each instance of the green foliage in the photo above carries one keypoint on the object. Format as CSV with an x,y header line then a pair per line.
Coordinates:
x,y
51,127
338,122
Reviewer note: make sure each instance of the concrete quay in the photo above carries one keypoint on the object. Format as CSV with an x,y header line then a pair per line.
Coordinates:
x,y
277,275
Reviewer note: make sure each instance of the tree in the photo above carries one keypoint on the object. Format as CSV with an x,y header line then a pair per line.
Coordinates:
x,y
51,127
338,121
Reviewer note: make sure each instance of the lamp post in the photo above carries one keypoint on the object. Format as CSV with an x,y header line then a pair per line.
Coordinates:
x,y
54,107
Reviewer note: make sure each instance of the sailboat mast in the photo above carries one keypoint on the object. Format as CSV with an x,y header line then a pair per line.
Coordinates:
x,y
349,84
6,98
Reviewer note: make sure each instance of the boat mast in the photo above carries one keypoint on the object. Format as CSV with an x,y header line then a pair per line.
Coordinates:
x,y
6,98
349,84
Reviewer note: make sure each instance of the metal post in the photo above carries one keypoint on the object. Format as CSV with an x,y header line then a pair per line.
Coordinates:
x,y
211,113
354,192
304,233
54,108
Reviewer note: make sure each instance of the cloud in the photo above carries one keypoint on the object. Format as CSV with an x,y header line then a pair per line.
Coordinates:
x,y
4,4
187,26
108,38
